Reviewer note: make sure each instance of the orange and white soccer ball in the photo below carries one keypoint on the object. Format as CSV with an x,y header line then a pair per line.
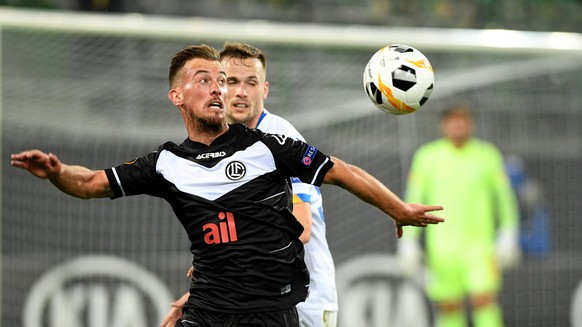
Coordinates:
x,y
398,79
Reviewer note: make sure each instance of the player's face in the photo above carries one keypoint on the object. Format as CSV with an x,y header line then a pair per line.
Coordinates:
x,y
247,89
457,128
200,92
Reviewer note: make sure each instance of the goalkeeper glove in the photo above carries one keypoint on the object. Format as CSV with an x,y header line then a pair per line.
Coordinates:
x,y
409,255
508,253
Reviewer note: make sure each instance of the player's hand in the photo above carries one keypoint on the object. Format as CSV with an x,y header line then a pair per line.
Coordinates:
x,y
175,312
190,272
173,315
38,163
418,215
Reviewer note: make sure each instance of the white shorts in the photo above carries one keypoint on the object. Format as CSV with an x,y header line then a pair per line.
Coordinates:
x,y
316,318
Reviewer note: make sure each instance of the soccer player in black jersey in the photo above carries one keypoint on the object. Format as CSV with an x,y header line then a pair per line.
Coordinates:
x,y
230,188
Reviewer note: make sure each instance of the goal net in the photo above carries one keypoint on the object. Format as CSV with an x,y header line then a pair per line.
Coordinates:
x,y
92,89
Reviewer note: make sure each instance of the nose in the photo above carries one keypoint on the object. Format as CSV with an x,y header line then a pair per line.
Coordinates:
x,y
241,91
216,88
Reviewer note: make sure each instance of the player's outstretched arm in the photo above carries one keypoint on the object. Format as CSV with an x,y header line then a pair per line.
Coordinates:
x,y
369,189
76,181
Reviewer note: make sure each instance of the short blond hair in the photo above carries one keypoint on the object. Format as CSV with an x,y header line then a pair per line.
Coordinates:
x,y
242,51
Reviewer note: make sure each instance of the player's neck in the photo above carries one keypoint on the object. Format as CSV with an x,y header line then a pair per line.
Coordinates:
x,y
206,135
459,143
251,123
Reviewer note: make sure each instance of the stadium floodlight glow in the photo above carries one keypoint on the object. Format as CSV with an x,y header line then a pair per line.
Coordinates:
x,y
565,41
502,38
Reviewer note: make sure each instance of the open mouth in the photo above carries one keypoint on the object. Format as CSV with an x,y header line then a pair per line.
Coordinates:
x,y
240,105
215,105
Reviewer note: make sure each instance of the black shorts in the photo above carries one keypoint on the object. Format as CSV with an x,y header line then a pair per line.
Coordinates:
x,y
203,318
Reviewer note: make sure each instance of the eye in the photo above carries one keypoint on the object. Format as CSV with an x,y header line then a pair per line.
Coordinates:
x,y
222,81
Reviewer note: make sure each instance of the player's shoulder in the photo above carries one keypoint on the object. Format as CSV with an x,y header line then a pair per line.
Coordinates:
x,y
485,152
431,146
484,146
168,146
269,138
271,123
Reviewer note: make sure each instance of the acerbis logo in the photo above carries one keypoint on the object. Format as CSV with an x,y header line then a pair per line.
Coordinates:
x,y
235,170
374,293
96,291
211,155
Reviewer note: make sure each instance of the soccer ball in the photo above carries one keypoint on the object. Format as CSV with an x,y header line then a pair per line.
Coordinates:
x,y
398,79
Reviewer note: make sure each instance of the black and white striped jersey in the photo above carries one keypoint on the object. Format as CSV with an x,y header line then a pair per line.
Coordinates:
x,y
234,200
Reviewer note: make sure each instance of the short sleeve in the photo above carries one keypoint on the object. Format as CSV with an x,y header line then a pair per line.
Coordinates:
x,y
135,177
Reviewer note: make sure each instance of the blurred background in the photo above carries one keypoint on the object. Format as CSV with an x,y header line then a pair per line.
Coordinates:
x,y
87,80
532,15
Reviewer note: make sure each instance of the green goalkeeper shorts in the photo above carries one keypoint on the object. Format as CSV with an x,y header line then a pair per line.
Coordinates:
x,y
456,276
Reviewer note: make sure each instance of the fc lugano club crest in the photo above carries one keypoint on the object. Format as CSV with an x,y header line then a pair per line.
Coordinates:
x,y
235,170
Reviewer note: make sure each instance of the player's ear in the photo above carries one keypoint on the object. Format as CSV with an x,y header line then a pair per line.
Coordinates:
x,y
265,90
176,97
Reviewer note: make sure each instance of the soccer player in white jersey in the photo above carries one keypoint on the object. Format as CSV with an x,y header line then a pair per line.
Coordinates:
x,y
245,68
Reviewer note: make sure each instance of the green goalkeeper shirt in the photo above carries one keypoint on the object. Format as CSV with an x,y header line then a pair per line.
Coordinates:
x,y
470,182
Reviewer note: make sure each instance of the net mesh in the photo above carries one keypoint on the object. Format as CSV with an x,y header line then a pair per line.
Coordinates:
x,y
99,100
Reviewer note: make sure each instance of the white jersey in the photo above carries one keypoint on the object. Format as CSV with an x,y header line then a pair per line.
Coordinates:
x,y
322,289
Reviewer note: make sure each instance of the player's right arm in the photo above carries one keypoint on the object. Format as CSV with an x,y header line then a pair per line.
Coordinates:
x,y
76,181
369,189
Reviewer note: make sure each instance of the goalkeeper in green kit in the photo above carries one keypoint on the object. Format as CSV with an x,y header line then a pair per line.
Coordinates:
x,y
464,257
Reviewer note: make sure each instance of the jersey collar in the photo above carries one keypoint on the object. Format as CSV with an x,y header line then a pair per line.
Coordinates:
x,y
263,114
222,139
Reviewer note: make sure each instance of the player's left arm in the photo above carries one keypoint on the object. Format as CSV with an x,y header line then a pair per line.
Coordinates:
x,y
371,190
508,210
507,248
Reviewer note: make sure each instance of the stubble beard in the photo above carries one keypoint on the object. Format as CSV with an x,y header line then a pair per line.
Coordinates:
x,y
207,125
233,119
